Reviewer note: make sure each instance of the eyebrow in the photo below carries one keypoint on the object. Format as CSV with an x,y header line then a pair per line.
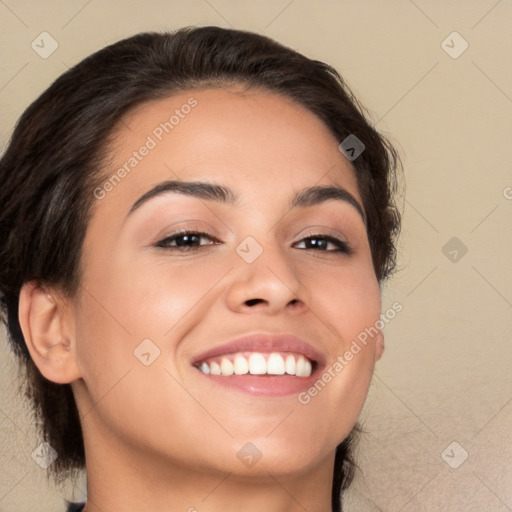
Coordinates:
x,y
212,192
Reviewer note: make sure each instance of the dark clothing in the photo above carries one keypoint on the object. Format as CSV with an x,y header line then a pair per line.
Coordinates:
x,y
75,507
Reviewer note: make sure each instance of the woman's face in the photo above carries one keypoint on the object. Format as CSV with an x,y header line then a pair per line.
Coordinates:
x,y
154,307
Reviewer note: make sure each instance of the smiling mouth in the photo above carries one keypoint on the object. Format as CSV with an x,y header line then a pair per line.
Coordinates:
x,y
258,363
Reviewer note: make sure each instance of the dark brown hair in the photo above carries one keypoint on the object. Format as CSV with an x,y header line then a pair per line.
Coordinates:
x,y
60,145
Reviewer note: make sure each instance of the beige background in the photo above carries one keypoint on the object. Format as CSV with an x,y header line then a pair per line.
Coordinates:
x,y
446,374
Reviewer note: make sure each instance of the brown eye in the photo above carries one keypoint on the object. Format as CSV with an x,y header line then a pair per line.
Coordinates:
x,y
185,241
321,242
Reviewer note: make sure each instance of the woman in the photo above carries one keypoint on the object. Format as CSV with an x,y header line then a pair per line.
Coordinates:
x,y
194,230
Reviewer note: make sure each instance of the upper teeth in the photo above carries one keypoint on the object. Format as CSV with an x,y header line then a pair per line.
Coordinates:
x,y
258,364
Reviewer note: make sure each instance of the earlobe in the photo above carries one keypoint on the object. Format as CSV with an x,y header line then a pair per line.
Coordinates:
x,y
47,335
379,346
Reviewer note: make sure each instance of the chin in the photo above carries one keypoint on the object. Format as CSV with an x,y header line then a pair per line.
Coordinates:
x,y
283,455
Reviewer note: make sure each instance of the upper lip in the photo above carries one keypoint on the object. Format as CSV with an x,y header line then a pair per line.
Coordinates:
x,y
264,342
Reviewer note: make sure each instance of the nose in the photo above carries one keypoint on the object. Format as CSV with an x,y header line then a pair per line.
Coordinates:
x,y
268,285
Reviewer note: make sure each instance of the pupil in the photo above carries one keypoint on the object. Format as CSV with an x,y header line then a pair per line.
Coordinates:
x,y
184,239
315,243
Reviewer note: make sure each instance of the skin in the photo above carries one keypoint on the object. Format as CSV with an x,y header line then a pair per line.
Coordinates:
x,y
162,437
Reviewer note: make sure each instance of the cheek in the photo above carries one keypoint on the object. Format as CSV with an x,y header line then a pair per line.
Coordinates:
x,y
104,342
352,309
346,298
165,296
349,307
146,295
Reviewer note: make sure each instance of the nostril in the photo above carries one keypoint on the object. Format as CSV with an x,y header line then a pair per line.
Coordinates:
x,y
251,302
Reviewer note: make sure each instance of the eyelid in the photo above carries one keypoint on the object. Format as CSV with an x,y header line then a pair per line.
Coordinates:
x,y
185,226
319,229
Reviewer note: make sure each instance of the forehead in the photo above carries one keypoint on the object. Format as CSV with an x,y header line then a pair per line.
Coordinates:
x,y
257,141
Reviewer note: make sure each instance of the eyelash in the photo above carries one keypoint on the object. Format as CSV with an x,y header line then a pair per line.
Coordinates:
x,y
342,246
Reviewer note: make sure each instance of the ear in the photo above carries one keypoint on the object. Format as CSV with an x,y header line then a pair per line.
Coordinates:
x,y
379,345
45,325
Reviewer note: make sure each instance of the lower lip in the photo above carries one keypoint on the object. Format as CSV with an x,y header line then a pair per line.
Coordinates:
x,y
264,385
